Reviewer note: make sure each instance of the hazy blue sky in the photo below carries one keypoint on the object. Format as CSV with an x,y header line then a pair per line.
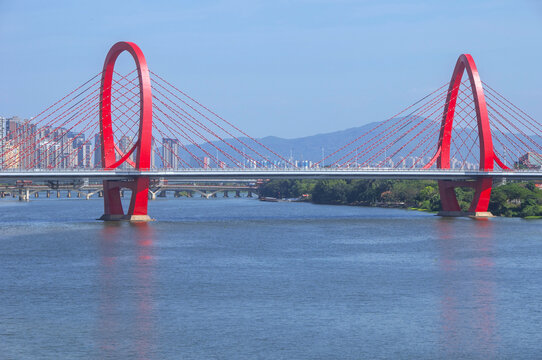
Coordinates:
x,y
285,68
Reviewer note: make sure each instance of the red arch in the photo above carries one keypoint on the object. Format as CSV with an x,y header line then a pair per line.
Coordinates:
x,y
143,145
466,62
482,186
140,184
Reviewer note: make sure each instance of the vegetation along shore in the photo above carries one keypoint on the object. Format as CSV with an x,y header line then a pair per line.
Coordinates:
x,y
519,199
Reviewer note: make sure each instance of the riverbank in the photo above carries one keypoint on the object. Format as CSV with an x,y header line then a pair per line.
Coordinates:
x,y
523,199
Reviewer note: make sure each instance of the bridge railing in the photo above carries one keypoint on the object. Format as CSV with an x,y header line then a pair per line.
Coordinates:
x,y
262,170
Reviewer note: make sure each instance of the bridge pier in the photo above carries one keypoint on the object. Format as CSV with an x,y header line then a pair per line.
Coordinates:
x,y
58,193
226,194
24,195
36,194
69,195
472,214
137,210
237,193
480,201
48,194
249,194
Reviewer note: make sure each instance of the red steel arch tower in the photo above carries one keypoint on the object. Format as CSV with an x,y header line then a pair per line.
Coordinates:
x,y
482,186
139,185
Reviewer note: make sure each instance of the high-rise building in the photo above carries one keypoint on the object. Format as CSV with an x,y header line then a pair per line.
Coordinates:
x,y
24,135
3,139
153,154
530,160
125,145
11,156
82,152
170,153
97,151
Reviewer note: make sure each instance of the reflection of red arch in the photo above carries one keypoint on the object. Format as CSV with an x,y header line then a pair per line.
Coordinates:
x,y
142,147
483,185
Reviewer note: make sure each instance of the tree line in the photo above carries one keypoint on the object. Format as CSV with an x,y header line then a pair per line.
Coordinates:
x,y
518,199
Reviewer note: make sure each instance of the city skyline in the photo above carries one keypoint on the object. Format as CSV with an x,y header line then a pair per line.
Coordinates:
x,y
61,148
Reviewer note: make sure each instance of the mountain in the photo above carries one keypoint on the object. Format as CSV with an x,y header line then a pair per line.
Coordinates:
x,y
310,147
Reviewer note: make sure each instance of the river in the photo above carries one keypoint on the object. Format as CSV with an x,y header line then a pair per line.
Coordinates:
x,y
243,279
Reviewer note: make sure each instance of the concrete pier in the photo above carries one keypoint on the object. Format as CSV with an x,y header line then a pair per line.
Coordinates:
x,y
471,214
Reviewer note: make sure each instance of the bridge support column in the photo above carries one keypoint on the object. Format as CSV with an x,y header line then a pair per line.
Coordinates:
x,y
237,193
36,194
226,194
58,193
69,194
24,195
249,194
480,201
48,194
137,210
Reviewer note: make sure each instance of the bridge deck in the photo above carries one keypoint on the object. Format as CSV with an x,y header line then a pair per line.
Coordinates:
x,y
254,174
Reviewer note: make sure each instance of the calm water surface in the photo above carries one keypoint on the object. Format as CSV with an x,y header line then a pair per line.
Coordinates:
x,y
243,279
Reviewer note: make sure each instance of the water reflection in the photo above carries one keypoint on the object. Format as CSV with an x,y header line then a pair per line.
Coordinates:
x,y
145,325
126,324
467,276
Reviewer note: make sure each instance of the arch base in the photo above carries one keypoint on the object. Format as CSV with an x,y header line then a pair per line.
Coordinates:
x,y
137,211
476,214
480,201
131,218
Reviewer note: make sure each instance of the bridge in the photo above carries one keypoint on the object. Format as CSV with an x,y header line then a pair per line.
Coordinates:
x,y
132,130
26,189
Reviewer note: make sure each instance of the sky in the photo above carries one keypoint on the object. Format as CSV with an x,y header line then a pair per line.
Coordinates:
x,y
280,67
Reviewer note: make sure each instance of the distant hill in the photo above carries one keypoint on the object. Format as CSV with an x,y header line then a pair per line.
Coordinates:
x,y
310,147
